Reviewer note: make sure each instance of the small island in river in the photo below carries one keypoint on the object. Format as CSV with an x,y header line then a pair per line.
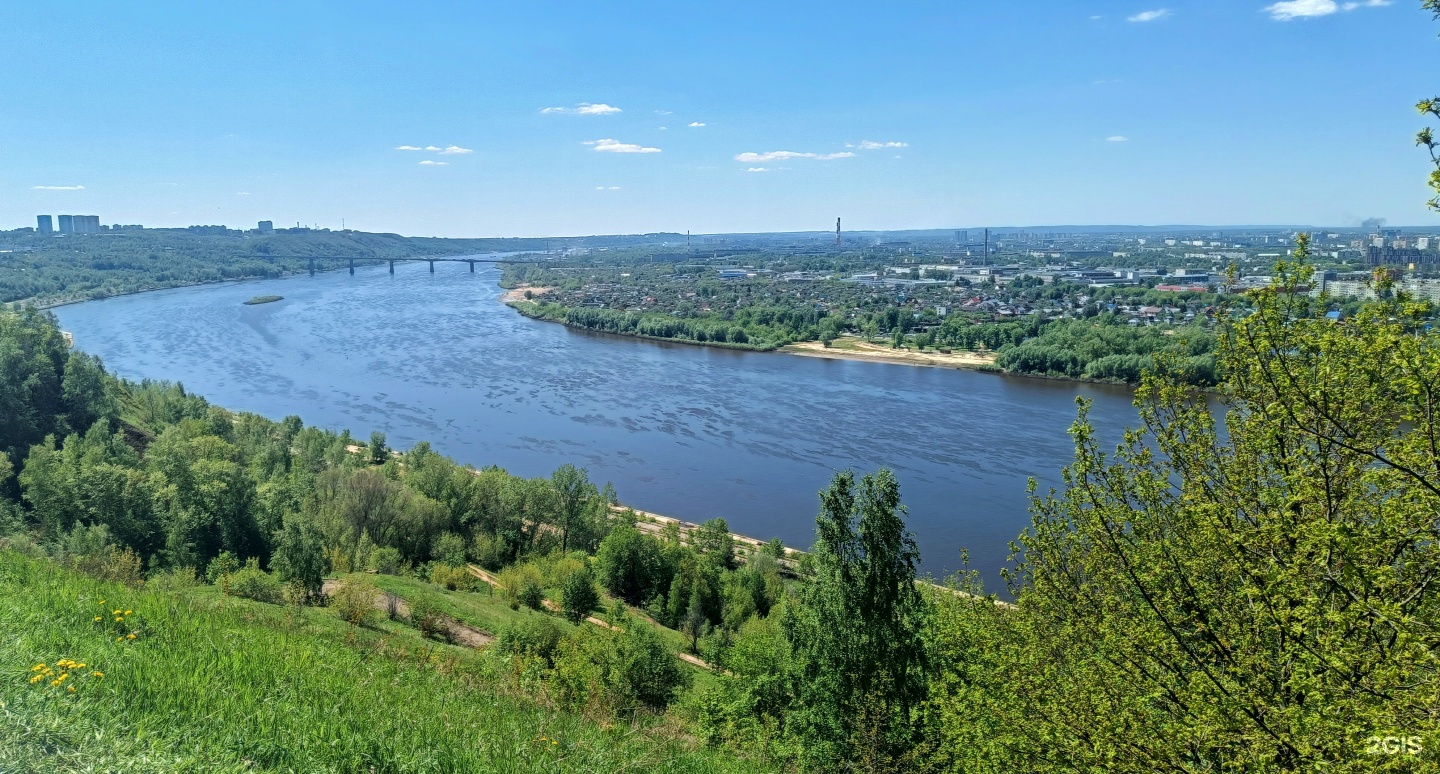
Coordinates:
x,y
264,300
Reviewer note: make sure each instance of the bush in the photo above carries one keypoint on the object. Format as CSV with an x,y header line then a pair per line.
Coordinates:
x,y
531,595
425,615
221,567
617,670
111,563
514,579
251,582
175,579
449,549
354,600
579,596
536,636
488,552
388,561
453,578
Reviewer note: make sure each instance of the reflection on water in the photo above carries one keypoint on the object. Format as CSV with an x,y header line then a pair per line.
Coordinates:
x,y
686,431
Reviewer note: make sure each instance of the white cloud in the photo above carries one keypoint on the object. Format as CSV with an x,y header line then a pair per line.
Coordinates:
x,y
615,146
752,158
1304,9
607,187
696,124
872,145
757,169
584,109
451,150
59,188
1096,18
1149,16
662,112
408,147
429,163
1117,138
242,193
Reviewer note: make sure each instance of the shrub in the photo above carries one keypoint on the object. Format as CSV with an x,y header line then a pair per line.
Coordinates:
x,y
111,563
579,596
354,600
535,636
619,670
488,552
515,578
449,549
388,561
531,595
453,578
174,579
251,582
425,615
220,567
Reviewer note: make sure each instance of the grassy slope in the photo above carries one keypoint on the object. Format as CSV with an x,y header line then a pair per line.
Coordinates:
x,y
218,684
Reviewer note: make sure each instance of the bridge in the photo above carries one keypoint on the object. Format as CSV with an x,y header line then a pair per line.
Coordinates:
x,y
431,259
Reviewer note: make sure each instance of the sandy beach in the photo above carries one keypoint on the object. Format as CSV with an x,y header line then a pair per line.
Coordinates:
x,y
854,349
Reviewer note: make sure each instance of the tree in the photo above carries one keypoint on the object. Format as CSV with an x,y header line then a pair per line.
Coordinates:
x,y
578,596
377,452
576,497
1426,137
629,563
856,632
300,555
1254,599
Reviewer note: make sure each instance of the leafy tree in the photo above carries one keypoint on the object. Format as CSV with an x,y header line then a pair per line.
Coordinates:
x,y
578,596
299,555
576,499
629,564
449,550
1257,598
855,633
377,452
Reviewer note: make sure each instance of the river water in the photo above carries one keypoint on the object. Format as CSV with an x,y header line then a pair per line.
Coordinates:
x,y
686,431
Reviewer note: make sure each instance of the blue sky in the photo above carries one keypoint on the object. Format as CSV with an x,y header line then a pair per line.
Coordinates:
x,y
904,115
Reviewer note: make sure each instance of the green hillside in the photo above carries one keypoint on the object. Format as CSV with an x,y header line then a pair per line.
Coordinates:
x,y
215,683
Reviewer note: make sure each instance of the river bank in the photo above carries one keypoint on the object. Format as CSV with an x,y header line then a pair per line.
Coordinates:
x,y
851,348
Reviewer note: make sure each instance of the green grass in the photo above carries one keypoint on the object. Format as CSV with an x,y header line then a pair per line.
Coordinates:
x,y
486,612
216,684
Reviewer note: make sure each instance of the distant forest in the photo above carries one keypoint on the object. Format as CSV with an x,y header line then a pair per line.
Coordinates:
x,y
49,270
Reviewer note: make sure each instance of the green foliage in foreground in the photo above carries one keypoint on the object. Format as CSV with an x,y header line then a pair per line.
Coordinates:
x,y
224,685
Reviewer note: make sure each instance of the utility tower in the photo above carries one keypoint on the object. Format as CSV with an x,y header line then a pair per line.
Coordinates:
x,y
837,232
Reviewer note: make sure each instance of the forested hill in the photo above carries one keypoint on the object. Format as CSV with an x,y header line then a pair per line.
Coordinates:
x,y
48,270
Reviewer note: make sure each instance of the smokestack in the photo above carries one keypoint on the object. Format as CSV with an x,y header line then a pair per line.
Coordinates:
x,y
837,231
987,247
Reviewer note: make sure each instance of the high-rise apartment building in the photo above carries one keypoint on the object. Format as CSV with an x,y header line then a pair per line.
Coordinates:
x,y
44,225
266,227
67,224
87,224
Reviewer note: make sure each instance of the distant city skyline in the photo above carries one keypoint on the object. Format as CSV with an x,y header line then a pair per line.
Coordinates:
x,y
447,119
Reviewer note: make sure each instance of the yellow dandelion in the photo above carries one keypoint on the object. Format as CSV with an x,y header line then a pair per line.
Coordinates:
x,y
119,619
102,601
117,612
97,674
127,612
71,687
97,618
36,679
37,667
54,682
117,639
129,636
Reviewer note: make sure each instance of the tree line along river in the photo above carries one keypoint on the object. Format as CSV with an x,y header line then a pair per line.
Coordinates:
x,y
686,431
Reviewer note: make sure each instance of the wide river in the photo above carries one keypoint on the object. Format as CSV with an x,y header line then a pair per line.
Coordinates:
x,y
682,430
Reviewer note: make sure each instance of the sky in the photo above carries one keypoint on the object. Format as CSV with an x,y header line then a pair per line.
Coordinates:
x,y
546,118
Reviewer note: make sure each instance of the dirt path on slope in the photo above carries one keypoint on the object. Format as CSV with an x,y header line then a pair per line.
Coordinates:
x,y
460,633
